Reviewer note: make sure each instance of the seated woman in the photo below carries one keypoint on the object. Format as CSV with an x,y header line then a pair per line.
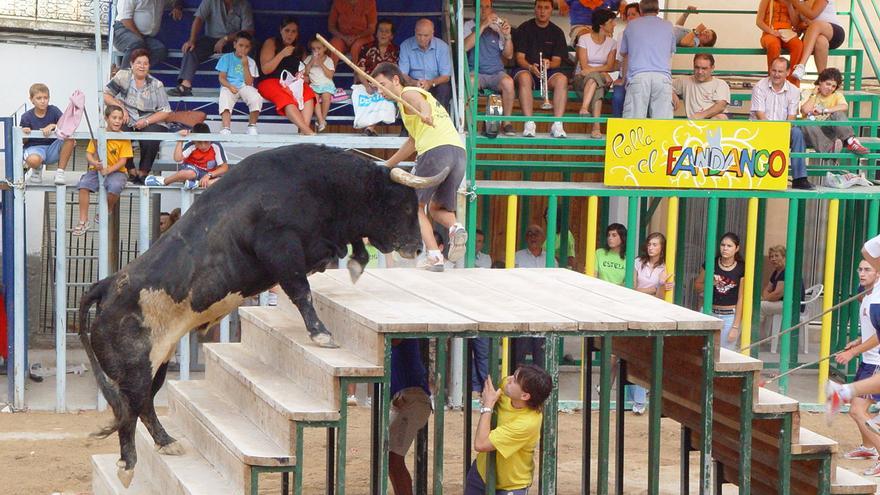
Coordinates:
x,y
824,102
597,57
698,36
279,54
778,31
352,23
771,294
824,33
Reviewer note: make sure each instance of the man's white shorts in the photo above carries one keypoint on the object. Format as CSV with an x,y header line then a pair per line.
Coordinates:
x,y
410,410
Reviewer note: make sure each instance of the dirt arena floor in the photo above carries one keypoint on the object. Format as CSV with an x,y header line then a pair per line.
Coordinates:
x,y
44,453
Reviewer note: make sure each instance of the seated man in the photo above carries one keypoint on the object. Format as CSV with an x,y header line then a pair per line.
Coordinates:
x,y
352,23
532,40
705,96
222,20
425,60
774,98
496,48
698,36
520,402
136,26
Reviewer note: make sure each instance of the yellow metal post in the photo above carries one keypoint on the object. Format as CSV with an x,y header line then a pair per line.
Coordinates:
x,y
749,276
828,294
671,244
592,225
509,262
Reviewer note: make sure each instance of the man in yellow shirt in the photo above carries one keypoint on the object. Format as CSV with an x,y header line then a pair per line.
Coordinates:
x,y
520,401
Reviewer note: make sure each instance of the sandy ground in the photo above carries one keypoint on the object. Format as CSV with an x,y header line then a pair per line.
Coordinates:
x,y
45,453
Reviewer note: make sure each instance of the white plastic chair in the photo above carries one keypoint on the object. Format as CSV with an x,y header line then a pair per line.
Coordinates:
x,y
811,295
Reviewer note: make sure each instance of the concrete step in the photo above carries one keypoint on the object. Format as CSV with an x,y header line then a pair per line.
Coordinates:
x,y
263,394
846,481
105,482
223,435
187,474
279,339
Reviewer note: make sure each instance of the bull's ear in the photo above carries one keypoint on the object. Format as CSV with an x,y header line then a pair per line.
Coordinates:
x,y
407,179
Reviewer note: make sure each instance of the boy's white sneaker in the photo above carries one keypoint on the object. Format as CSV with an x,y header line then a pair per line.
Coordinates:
x,y
252,130
225,131
799,71
529,129
36,175
59,177
557,131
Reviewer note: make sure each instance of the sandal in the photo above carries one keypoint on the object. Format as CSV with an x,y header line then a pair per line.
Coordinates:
x,y
596,134
81,228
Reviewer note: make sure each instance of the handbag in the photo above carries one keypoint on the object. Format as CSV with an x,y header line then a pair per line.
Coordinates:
x,y
370,109
294,83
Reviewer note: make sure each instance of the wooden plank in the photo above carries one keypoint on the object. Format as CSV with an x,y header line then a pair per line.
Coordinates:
x,y
771,402
648,306
733,362
846,481
546,293
810,442
491,309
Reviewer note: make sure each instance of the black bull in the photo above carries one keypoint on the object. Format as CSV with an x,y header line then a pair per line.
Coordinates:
x,y
276,217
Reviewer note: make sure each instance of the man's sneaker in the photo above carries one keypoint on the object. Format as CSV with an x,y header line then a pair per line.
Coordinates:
x,y
225,131
272,299
802,183
508,130
873,424
836,146
180,90
154,180
252,130
529,129
433,263
854,146
352,400
557,131
457,243
190,184
833,401
59,177
638,409
873,470
861,452
799,71
36,175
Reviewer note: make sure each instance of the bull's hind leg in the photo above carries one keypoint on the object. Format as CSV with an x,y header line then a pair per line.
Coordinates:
x,y
165,443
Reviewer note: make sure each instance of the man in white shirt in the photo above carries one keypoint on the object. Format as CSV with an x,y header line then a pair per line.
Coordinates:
x,y
705,96
137,23
534,255
482,260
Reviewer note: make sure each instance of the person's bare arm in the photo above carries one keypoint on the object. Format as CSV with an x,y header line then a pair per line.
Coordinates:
x,y
224,81
810,12
855,348
760,19
193,34
488,400
269,60
129,24
699,282
405,151
718,107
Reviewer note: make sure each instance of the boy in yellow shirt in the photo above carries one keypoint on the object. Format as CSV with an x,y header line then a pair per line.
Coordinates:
x,y
824,102
520,402
113,169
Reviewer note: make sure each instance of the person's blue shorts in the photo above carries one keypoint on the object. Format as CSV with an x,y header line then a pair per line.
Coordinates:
x,y
199,172
114,183
867,371
49,153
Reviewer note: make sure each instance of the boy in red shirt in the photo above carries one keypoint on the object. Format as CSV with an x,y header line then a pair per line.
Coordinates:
x,y
201,162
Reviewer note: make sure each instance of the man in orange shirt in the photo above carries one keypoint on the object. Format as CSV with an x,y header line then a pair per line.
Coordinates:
x,y
352,24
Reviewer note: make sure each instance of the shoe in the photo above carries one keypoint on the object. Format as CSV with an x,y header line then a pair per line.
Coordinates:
x,y
433,264
190,184
369,132
180,90
252,130
59,177
225,131
272,299
557,131
802,183
352,400
836,146
873,470
457,243
833,401
97,220
507,130
321,126
154,181
799,71
638,409
861,452
856,147
873,424
36,175
81,228
529,129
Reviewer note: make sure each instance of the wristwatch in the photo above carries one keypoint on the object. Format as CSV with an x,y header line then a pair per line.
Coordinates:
x,y
210,175
484,410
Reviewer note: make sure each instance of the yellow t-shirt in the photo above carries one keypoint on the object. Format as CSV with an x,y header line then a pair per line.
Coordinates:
x,y
515,440
832,100
116,149
425,136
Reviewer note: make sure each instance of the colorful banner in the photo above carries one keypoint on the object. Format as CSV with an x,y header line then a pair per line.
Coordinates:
x,y
697,154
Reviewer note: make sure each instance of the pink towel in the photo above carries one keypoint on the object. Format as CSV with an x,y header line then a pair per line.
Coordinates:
x,y
72,115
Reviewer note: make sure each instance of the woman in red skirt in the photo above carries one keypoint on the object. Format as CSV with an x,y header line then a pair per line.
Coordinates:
x,y
280,53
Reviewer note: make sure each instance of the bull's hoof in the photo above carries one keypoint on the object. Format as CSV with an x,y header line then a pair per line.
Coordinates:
x,y
125,475
173,448
323,340
355,269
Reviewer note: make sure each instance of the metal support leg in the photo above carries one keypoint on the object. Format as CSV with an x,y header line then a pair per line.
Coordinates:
x,y
619,427
685,474
587,416
604,416
440,415
655,412
331,460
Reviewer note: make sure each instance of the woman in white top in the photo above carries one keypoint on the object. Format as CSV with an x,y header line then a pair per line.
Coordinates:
x,y
597,57
824,32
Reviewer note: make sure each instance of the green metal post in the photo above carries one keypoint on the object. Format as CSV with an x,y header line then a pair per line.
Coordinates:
x,y
785,455
680,254
655,407
788,292
722,216
797,280
382,461
711,245
471,252
564,214
524,219
759,275
300,460
706,426
551,413
745,434
440,411
341,441
839,260
550,251
604,416
632,220
873,217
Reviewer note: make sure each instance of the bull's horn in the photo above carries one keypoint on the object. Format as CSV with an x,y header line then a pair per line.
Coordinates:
x,y
407,179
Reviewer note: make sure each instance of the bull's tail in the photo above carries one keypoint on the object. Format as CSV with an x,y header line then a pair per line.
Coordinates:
x,y
111,392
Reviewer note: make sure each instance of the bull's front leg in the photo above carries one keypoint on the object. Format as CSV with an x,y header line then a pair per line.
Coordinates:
x,y
358,259
299,292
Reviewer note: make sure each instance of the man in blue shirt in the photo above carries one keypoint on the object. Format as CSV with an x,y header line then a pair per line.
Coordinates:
x,y
410,409
425,59
496,48
647,47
